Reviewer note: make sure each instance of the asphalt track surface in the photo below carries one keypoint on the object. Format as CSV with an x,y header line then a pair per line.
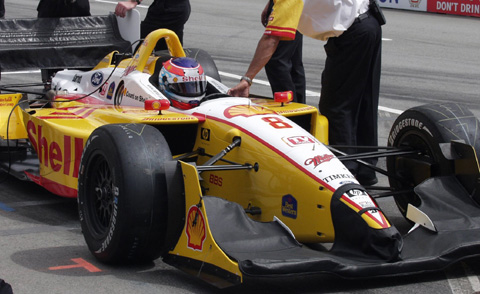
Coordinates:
x,y
426,58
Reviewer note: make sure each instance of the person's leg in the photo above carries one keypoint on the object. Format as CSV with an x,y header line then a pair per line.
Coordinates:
x,y
367,133
2,8
281,67
298,71
147,27
344,83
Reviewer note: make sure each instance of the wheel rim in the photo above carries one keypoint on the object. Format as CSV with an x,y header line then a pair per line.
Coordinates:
x,y
101,191
424,149
425,154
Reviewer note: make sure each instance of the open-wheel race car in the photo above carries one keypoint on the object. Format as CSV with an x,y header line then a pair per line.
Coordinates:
x,y
240,187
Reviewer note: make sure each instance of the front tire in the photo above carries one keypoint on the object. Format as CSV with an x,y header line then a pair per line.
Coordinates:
x,y
423,128
122,193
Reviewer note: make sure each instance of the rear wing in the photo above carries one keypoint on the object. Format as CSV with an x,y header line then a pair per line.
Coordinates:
x,y
52,43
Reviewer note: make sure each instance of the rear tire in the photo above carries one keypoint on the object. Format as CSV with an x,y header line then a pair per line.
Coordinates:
x,y
122,193
423,128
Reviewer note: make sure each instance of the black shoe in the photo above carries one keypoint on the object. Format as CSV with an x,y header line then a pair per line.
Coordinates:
x,y
367,181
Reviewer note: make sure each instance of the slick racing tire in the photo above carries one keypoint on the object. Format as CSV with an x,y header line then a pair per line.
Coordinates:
x,y
122,198
423,128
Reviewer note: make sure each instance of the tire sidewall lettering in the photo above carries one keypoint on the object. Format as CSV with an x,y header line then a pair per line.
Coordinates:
x,y
407,123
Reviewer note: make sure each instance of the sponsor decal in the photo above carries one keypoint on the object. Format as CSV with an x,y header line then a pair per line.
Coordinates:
x,y
408,122
346,182
135,96
104,89
6,101
246,111
56,155
298,140
77,79
337,177
216,180
415,3
111,90
289,206
319,159
129,69
196,232
97,78
460,7
193,79
205,134
168,118
308,108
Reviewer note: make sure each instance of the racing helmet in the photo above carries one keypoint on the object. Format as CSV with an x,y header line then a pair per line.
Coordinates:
x,y
183,81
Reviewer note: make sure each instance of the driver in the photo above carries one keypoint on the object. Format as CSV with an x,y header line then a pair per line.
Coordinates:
x,y
183,82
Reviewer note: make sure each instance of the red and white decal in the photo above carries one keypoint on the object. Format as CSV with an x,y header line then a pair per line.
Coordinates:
x,y
196,231
298,140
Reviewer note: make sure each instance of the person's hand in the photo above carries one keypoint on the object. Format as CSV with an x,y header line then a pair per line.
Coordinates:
x,y
123,7
240,90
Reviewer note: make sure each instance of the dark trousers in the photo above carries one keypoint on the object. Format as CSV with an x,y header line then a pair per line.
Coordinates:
x,y
2,8
60,8
350,89
166,14
146,28
63,8
285,69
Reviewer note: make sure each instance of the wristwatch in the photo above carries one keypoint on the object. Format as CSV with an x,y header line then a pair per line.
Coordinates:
x,y
246,79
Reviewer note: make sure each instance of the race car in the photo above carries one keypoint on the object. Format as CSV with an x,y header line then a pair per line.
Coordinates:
x,y
235,187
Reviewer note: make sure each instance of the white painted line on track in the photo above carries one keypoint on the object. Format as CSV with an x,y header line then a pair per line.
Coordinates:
x,y
472,278
309,93
462,280
20,72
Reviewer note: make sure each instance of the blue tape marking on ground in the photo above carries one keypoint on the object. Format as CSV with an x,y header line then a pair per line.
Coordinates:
x,y
6,207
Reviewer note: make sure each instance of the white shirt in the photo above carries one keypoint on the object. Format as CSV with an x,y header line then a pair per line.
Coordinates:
x,y
322,19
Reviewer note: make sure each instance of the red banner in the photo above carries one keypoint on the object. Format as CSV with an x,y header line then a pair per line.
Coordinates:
x,y
460,7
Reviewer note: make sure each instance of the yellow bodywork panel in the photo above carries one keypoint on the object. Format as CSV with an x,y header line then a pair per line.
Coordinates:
x,y
266,187
318,122
196,241
59,135
11,117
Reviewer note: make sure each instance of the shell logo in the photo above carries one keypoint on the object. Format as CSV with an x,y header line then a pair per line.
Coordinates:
x,y
246,111
195,231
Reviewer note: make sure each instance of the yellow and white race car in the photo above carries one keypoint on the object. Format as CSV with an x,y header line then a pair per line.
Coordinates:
x,y
236,187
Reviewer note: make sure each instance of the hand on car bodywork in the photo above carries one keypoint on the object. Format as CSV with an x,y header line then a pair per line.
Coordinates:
x,y
123,7
242,89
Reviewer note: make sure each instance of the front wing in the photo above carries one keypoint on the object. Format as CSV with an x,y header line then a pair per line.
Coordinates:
x,y
221,244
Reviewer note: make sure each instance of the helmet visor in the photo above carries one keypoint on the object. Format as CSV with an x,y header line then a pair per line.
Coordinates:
x,y
188,89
